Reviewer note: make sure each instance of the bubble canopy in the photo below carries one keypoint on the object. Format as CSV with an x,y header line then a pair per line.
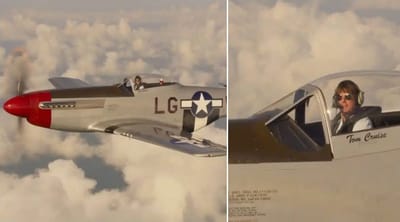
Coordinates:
x,y
148,80
381,88
151,78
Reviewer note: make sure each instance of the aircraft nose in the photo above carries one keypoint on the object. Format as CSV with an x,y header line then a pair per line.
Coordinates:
x,y
18,106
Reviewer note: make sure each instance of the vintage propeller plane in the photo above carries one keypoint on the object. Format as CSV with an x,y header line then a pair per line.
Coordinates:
x,y
288,162
160,112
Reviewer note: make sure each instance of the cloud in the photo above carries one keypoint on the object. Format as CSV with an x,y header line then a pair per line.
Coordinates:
x,y
385,4
161,185
17,28
128,44
2,55
275,49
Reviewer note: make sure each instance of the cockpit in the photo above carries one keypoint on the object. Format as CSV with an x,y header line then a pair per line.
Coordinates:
x,y
305,119
379,95
144,81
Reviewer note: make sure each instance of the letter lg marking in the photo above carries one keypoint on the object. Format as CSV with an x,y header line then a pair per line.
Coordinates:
x,y
172,106
156,110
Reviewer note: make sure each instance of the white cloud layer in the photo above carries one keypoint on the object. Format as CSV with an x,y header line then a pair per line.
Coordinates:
x,y
126,45
275,49
187,44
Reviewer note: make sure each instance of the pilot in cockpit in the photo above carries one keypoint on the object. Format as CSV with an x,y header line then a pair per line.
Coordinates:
x,y
138,83
349,98
127,83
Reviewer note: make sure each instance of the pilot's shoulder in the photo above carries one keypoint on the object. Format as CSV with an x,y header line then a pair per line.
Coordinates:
x,y
362,124
370,110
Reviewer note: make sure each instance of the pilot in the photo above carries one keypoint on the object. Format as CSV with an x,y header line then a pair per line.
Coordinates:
x,y
126,82
348,98
138,83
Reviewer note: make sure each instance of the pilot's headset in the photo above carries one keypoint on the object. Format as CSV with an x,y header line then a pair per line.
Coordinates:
x,y
352,87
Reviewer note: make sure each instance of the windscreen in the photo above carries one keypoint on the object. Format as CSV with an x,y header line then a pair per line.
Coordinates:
x,y
282,105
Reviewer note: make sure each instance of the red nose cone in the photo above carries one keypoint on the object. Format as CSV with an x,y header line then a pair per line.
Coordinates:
x,y
19,106
27,106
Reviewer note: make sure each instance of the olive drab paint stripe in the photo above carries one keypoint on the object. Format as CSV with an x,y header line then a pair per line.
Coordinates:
x,y
188,121
100,91
192,123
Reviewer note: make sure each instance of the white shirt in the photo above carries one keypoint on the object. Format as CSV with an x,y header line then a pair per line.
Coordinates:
x,y
140,87
361,124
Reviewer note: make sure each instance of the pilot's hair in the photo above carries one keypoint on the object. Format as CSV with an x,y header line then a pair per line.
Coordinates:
x,y
348,86
138,77
352,88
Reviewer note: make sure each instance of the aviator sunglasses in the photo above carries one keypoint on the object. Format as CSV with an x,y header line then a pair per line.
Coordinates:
x,y
346,96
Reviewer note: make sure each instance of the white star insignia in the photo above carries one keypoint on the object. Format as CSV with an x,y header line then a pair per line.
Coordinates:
x,y
201,104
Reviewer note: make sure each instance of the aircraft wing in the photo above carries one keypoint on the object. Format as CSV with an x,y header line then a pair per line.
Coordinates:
x,y
165,136
67,83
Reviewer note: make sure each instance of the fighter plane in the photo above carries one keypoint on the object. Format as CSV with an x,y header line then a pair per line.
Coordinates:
x,y
160,112
298,126
286,163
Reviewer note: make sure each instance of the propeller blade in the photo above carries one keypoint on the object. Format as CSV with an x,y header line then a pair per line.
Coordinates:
x,y
21,86
18,70
20,126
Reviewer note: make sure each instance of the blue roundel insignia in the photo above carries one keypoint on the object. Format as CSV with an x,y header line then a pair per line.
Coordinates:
x,y
201,104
